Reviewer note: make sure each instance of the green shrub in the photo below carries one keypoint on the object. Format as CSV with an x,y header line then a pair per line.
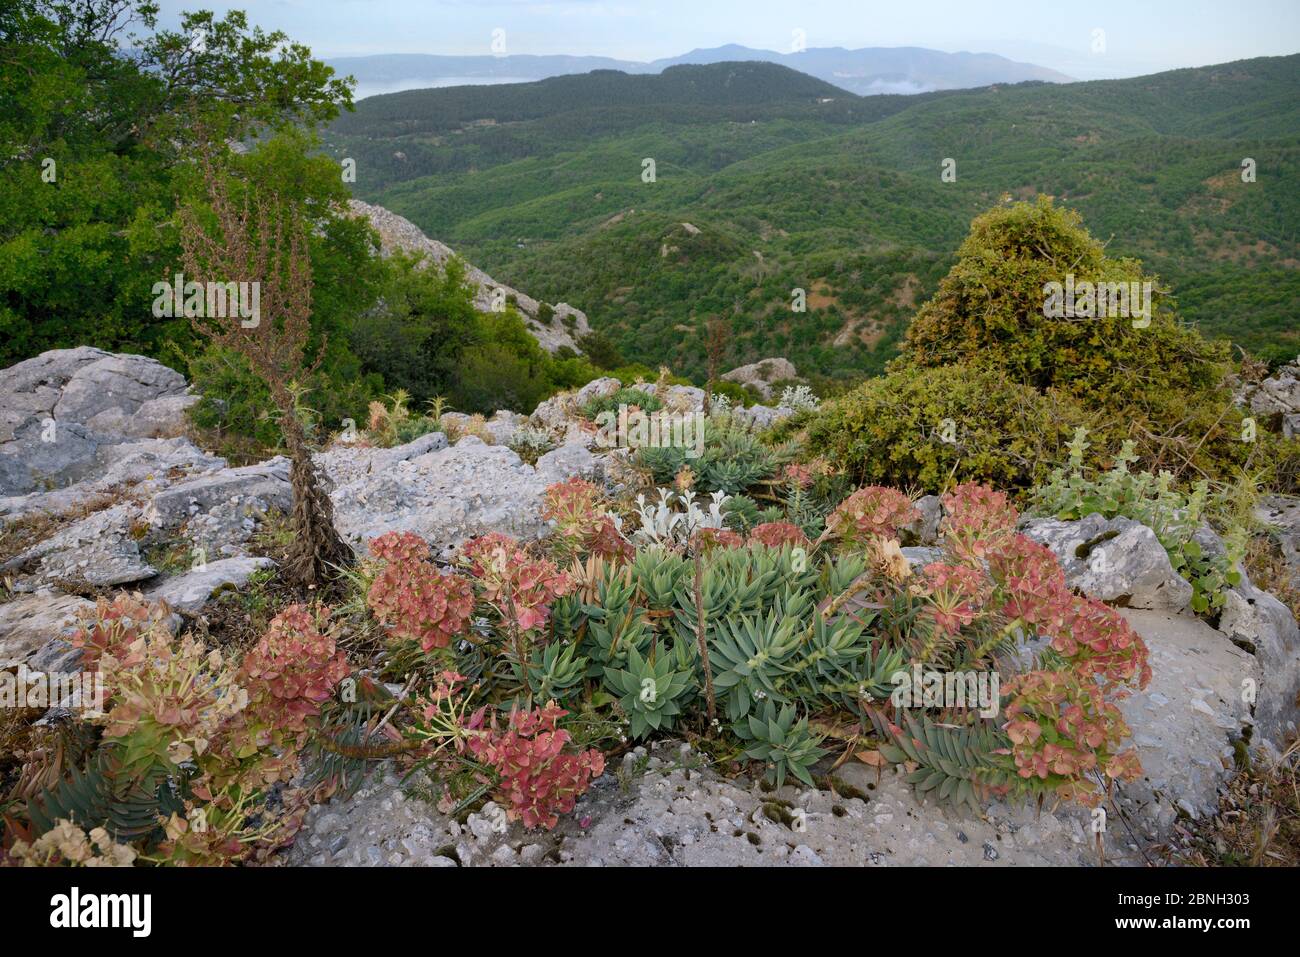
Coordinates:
x,y
933,427
645,401
601,351
737,393
734,458
1161,384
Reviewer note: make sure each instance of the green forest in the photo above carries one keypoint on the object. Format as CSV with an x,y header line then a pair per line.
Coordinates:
x,y
787,183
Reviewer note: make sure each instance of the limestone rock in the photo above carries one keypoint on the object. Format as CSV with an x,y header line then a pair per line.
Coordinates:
x,y
189,592
568,461
1256,620
446,496
267,482
1116,560
34,629
1184,724
59,408
596,389
101,549
346,463
924,530
137,468
760,417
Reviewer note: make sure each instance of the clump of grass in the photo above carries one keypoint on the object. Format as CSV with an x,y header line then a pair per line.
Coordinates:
x,y
237,618
1258,824
1268,570
174,557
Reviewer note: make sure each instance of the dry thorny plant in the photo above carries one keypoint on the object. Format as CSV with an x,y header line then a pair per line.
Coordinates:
x,y
262,240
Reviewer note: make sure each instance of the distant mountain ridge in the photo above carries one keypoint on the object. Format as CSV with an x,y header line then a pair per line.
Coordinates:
x,y
865,71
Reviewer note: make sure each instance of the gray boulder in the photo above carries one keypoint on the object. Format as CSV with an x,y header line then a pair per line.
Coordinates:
x,y
1282,514
681,398
446,496
1258,622
759,417
595,389
1116,560
924,530
918,556
568,461
59,408
503,425
760,375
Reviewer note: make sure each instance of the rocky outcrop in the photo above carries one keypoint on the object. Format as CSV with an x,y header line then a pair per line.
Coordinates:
x,y
761,375
450,495
189,592
1186,722
64,415
1277,397
563,327
1121,562
666,808
34,629
1281,514
136,508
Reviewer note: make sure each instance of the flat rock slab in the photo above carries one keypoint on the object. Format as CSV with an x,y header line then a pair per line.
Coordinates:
x,y
345,463
267,482
188,593
1185,722
139,469
34,630
100,550
674,812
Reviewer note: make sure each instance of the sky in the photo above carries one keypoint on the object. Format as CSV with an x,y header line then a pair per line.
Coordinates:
x,y
1093,40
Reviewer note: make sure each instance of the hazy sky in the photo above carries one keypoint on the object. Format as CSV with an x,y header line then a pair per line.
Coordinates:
x,y
1141,36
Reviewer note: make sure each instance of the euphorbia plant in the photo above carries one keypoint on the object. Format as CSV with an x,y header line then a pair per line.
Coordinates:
x,y
517,586
192,740
539,779
583,525
1062,729
870,512
415,599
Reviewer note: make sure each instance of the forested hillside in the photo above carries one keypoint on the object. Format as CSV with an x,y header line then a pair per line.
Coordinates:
x,y
765,183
